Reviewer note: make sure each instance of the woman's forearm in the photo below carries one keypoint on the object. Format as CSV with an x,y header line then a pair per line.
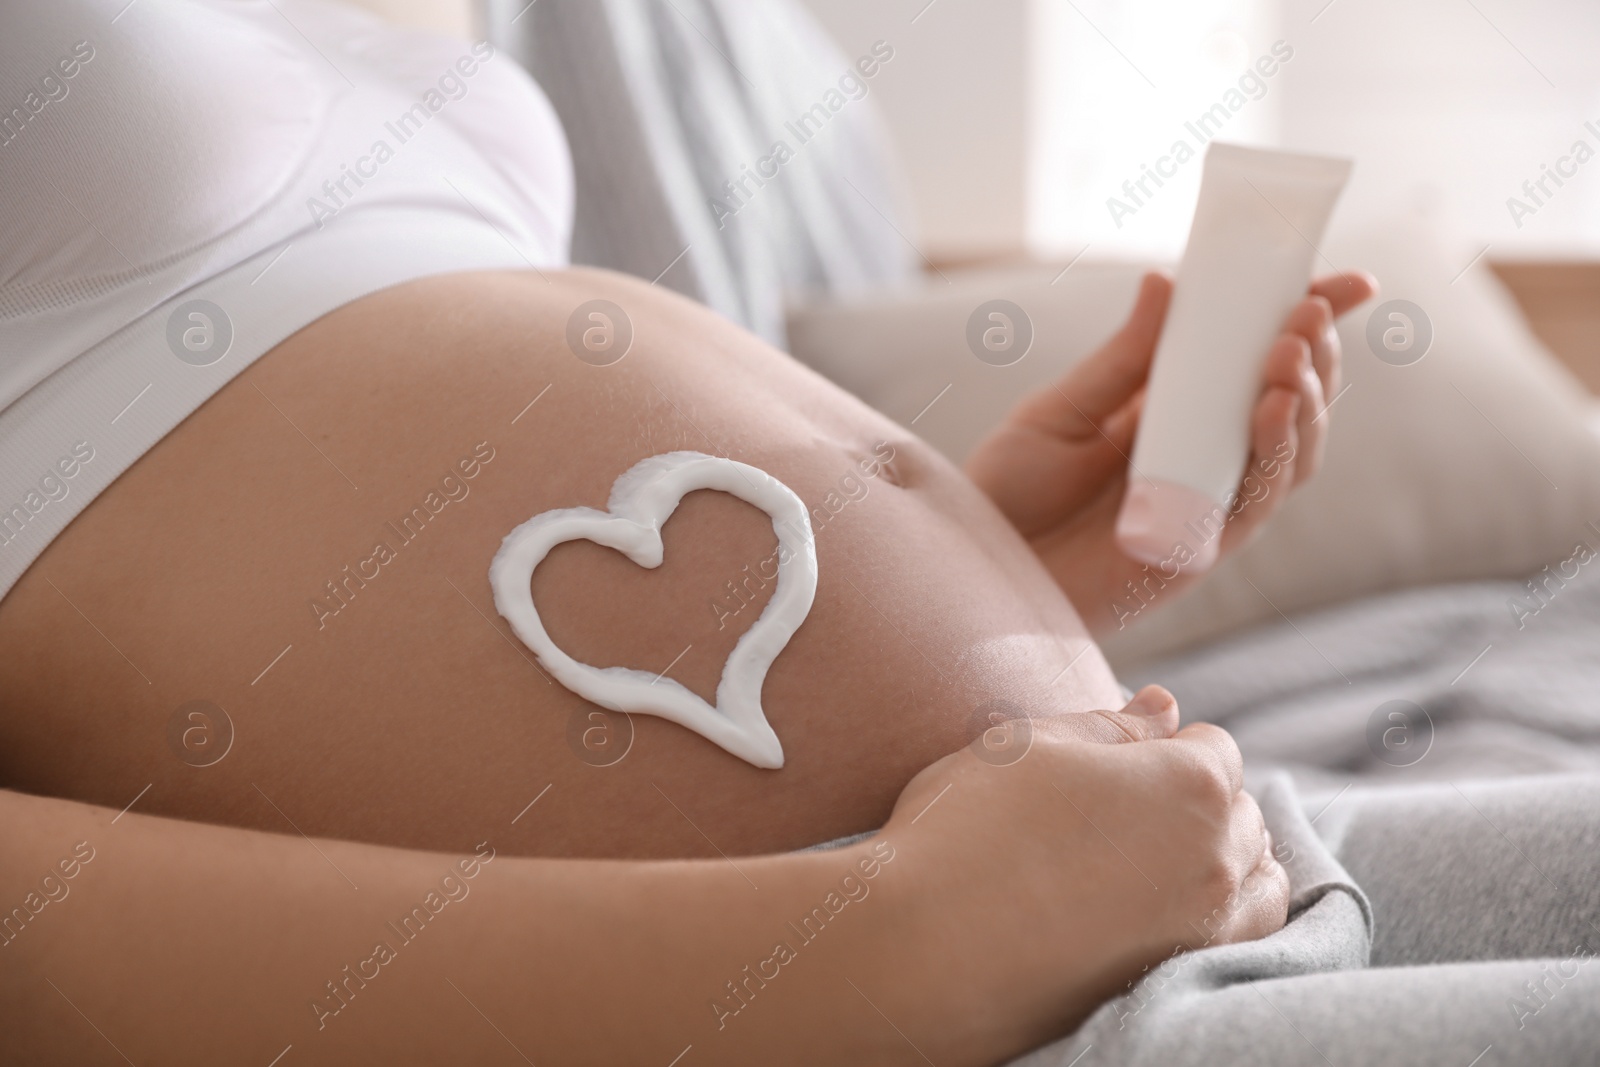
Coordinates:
x,y
180,942
999,905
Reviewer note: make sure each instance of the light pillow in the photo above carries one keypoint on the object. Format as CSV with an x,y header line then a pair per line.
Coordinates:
x,y
1478,461
899,349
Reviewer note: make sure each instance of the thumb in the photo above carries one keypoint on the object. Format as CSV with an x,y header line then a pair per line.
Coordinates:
x,y
1151,715
1101,383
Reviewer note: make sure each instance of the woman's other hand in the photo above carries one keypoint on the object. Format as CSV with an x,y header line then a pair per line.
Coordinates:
x,y
1054,880
1057,467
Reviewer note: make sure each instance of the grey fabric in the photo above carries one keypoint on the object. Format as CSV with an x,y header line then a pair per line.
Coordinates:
x,y
666,101
1438,919
1475,870
1483,924
1501,691
1446,904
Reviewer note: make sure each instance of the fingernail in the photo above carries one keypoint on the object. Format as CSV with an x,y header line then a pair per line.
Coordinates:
x,y
1152,700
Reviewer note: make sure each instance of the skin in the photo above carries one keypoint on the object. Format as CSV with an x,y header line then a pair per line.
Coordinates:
x,y
412,717
401,724
184,943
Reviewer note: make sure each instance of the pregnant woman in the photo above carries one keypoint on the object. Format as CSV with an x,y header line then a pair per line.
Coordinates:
x,y
288,349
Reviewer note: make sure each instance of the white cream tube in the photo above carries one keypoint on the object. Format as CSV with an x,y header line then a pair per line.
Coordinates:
x,y
1246,266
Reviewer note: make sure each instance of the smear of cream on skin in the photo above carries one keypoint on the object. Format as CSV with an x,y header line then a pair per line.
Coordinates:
x,y
642,500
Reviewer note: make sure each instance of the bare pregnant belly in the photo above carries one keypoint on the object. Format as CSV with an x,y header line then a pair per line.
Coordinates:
x,y
307,555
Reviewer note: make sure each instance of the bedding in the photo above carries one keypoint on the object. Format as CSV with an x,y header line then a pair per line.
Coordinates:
x,y
1504,676
1425,761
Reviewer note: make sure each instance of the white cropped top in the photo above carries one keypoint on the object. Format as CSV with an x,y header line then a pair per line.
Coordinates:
x,y
185,183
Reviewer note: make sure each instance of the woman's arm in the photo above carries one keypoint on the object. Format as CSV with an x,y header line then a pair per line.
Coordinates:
x,y
187,943
991,913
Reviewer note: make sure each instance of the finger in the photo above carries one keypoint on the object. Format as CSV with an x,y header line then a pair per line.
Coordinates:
x,y
1247,830
1274,455
1123,426
1216,747
1312,319
1105,381
1345,291
1157,707
1261,906
1286,438
1289,367
1102,384
1151,715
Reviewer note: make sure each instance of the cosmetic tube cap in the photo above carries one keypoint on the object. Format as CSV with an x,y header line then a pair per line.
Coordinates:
x,y
1169,525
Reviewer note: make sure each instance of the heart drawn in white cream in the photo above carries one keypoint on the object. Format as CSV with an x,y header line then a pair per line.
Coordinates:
x,y
642,500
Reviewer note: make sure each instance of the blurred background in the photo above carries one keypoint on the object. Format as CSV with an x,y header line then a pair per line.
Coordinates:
x,y
1015,120
1018,119
1014,123
866,183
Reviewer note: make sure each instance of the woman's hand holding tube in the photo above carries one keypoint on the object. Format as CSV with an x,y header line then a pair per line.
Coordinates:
x,y
1057,467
